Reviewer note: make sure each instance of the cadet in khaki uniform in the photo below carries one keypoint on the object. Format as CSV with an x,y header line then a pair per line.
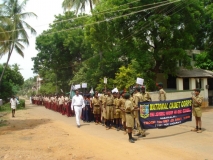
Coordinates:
x,y
196,110
123,114
108,105
128,109
117,113
162,93
138,98
145,95
103,111
96,104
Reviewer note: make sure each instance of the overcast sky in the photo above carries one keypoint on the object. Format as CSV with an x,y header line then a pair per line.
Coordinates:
x,y
45,10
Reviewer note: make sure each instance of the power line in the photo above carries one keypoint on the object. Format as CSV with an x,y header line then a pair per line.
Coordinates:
x,y
103,12
116,17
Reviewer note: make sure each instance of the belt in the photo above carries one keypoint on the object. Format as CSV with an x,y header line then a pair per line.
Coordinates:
x,y
96,106
196,106
77,105
128,112
109,105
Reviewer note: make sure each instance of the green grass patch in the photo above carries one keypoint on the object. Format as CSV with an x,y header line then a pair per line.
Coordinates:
x,y
3,123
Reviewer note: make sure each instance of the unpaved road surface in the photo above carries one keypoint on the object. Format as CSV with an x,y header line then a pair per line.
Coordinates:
x,y
41,134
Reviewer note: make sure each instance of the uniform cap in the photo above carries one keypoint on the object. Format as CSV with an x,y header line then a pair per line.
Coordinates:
x,y
160,84
127,95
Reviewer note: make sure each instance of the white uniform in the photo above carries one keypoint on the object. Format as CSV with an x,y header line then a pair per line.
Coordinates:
x,y
13,103
78,104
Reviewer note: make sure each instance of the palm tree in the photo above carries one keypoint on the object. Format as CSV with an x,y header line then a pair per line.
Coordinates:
x,y
16,30
3,21
78,4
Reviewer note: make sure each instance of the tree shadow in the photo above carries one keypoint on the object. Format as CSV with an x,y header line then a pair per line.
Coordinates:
x,y
12,125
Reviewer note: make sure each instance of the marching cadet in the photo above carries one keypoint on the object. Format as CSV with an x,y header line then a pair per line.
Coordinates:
x,y
96,105
137,99
108,105
196,109
117,111
103,111
128,109
123,114
145,95
162,93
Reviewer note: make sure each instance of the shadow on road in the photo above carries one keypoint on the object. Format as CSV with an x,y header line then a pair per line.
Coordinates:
x,y
167,135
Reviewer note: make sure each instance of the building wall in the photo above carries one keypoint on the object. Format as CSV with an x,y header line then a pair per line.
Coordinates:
x,y
161,78
180,95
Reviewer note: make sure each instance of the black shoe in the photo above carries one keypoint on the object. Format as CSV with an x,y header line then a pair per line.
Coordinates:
x,y
131,141
138,134
78,126
134,139
142,135
118,129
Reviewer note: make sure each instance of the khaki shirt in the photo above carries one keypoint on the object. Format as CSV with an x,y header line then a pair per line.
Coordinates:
x,y
109,100
198,102
102,98
145,96
137,98
162,95
122,103
117,102
128,106
96,101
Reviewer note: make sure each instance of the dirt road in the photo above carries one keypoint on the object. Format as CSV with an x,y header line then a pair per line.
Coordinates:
x,y
41,134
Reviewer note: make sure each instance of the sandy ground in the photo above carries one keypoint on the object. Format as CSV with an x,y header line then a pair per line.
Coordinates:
x,y
41,134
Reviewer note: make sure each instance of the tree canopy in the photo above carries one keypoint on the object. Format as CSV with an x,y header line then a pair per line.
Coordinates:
x,y
139,38
11,83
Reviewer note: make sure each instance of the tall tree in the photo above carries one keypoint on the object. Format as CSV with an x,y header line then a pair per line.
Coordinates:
x,y
17,30
78,4
12,82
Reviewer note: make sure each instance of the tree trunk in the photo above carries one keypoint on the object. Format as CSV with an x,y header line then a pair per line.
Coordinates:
x,y
8,58
90,3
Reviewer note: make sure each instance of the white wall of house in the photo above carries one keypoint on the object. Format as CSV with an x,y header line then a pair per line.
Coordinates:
x,y
180,95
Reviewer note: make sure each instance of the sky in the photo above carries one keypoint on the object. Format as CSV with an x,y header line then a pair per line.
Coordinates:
x,y
45,11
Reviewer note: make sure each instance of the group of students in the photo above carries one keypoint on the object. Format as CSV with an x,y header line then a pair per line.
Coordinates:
x,y
118,110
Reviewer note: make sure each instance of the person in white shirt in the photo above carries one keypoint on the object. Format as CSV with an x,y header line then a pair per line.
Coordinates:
x,y
78,104
13,104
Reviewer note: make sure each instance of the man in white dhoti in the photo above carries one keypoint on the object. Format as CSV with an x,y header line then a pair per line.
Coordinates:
x,y
78,104
13,104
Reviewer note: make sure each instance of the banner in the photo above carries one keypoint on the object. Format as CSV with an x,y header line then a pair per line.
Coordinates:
x,y
165,113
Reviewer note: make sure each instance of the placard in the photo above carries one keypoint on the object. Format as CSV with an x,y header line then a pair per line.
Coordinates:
x,y
77,86
140,81
84,85
105,80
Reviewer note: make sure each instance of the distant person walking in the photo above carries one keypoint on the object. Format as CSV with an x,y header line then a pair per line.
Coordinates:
x,y
162,93
78,104
13,104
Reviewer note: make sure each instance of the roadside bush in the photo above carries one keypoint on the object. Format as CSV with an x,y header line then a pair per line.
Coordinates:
x,y
21,104
5,107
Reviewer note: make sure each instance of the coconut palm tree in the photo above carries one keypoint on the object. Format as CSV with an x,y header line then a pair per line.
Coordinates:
x,y
17,29
78,4
3,21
